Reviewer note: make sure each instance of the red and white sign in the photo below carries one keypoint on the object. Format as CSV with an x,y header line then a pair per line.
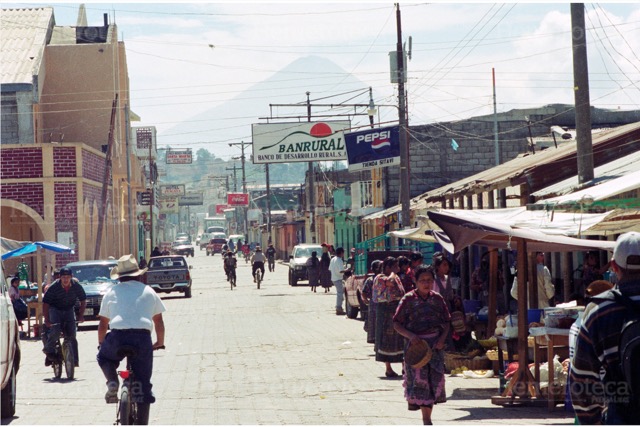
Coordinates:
x,y
237,199
220,209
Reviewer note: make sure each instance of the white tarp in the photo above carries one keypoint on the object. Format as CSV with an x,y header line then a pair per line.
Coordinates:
x,y
603,191
551,223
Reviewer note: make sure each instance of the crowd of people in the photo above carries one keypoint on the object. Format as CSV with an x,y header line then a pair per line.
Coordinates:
x,y
406,303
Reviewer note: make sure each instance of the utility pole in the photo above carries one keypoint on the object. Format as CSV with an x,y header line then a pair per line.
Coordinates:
x,y
312,205
129,196
581,94
266,169
102,210
235,178
405,191
496,144
244,180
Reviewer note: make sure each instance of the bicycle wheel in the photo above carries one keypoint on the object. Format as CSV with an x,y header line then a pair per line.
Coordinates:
x,y
69,359
142,414
258,278
124,407
57,363
57,369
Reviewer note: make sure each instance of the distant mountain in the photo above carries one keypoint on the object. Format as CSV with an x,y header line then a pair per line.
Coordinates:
x,y
318,75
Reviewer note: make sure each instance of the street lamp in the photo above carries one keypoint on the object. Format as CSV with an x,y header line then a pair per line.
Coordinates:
x,y
371,110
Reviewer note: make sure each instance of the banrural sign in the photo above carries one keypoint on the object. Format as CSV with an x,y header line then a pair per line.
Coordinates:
x,y
299,142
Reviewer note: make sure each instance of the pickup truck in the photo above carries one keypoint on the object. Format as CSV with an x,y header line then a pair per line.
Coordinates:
x,y
215,246
169,273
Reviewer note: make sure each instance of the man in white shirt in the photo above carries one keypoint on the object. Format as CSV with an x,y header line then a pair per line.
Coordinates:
x,y
131,310
546,290
336,267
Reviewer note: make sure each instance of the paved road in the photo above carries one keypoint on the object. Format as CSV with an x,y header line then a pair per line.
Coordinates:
x,y
278,355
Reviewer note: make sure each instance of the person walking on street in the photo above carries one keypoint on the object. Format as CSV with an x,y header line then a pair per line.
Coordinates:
x,y
367,289
387,293
610,398
325,274
156,252
129,312
423,315
336,266
313,270
271,256
59,314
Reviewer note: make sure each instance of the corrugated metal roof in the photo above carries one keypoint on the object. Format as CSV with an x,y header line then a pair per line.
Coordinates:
x,y
543,168
550,163
23,36
619,168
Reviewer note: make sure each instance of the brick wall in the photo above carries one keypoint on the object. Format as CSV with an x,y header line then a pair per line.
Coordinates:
x,y
31,194
64,162
20,163
92,166
66,217
434,163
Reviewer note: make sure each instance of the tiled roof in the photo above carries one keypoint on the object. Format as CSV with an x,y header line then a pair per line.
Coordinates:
x,y
23,36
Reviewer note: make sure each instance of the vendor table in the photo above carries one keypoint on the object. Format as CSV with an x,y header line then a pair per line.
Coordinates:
x,y
556,338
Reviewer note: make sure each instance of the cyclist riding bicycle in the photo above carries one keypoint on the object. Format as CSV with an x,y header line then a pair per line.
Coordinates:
x,y
271,255
131,310
246,250
257,262
230,263
59,314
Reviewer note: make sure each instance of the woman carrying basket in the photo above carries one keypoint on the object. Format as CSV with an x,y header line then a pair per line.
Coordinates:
x,y
422,315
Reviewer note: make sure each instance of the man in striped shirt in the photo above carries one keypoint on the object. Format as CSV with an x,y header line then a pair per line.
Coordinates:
x,y
596,396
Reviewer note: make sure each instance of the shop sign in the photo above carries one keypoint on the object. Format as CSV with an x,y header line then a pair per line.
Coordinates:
x,y
220,209
299,142
191,199
172,190
144,197
373,148
237,199
169,205
179,157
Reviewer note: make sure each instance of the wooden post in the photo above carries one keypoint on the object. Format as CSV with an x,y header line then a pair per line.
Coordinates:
x,y
493,291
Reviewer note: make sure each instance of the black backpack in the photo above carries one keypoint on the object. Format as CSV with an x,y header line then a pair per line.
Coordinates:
x,y
628,371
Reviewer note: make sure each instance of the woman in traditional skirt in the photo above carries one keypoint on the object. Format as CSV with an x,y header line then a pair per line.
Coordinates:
x,y
325,274
423,314
367,290
387,293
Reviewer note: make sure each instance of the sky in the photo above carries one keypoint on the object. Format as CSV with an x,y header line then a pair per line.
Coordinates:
x,y
188,59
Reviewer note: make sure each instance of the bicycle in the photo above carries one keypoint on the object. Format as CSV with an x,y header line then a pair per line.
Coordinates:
x,y
258,277
232,277
64,356
246,257
130,410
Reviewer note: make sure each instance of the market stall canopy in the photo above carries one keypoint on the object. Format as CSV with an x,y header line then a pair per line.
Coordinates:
x,y
30,247
588,196
463,229
557,223
420,234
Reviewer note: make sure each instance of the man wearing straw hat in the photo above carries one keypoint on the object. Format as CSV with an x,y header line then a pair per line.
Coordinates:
x,y
131,310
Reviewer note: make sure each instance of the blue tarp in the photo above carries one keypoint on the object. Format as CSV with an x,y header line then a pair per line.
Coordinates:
x,y
31,247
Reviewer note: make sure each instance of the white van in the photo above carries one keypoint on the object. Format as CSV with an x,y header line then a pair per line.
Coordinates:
x,y
10,348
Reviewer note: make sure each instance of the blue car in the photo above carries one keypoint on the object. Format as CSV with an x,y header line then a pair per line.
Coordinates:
x,y
95,278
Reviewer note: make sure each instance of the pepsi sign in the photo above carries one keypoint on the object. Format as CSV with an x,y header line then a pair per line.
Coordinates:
x,y
373,148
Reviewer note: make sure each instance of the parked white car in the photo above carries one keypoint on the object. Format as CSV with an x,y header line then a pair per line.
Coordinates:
x,y
10,348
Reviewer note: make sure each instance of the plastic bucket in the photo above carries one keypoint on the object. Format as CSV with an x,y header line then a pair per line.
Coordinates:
x,y
533,315
471,306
